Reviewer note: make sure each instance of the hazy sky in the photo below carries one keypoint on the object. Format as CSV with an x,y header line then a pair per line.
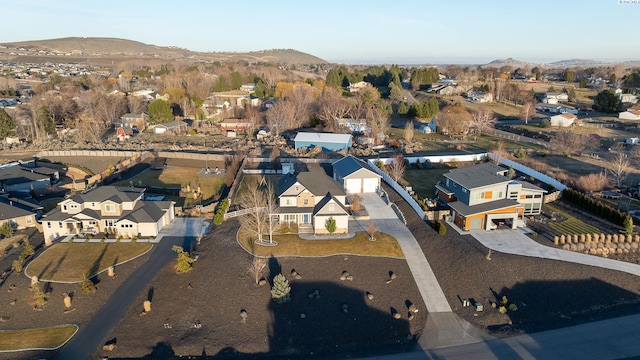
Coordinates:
x,y
348,31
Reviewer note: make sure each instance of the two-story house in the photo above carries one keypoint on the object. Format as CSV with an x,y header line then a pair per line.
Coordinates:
x,y
108,209
482,195
310,199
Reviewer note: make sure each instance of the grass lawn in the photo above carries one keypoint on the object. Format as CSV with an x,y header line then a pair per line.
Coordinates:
x,y
292,245
68,261
178,177
570,226
274,179
42,339
423,181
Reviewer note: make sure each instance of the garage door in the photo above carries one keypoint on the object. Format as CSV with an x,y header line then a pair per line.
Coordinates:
x,y
475,224
353,186
370,185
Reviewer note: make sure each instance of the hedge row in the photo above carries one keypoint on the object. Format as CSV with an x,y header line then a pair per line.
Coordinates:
x,y
596,207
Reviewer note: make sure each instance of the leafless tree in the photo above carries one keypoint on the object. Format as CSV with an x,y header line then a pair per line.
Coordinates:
x,y
379,123
619,169
253,198
397,167
408,131
302,99
254,116
482,120
331,105
364,101
592,182
111,108
372,229
281,116
527,111
454,120
257,267
568,142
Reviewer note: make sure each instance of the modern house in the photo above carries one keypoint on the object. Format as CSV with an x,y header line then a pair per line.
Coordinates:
x,y
479,96
481,196
248,87
173,126
310,199
355,176
631,114
563,120
108,209
26,177
327,141
553,97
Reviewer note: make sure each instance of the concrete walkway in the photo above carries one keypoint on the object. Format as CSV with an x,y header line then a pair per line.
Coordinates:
x,y
443,327
517,242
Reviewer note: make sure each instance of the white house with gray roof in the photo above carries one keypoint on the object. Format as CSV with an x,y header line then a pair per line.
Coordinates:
x,y
108,209
355,176
310,199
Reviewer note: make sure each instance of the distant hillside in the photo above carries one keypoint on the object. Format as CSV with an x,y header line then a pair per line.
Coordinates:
x,y
508,62
92,47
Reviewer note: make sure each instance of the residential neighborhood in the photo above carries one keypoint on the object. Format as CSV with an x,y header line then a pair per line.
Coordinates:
x,y
159,202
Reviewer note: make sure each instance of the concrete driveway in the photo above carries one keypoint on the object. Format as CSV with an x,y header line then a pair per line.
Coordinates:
x,y
443,327
517,242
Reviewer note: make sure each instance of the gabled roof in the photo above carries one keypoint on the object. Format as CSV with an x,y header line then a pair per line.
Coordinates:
x,y
147,211
338,210
315,182
17,174
8,212
323,137
476,176
349,165
112,193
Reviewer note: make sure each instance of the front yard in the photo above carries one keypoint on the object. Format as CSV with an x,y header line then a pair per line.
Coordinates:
x,y
67,262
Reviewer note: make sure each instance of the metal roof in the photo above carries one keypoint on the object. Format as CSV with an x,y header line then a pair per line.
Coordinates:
x,y
323,137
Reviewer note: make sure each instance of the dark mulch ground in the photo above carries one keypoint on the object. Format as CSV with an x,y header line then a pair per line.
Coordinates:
x,y
549,294
220,287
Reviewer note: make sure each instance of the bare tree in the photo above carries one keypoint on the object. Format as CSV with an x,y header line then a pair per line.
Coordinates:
x,y
408,131
527,111
568,142
253,199
254,116
397,167
257,267
482,120
330,106
454,120
379,123
619,169
372,229
302,99
592,182
281,116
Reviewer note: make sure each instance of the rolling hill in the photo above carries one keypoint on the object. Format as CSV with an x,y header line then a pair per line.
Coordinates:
x,y
94,48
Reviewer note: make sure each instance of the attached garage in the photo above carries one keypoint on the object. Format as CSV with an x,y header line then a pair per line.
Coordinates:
x,y
355,176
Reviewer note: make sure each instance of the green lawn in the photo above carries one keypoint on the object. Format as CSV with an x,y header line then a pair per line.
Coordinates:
x,y
423,181
68,261
178,177
570,226
291,245
43,338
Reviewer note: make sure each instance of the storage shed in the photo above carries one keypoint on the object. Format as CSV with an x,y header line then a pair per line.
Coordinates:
x,y
327,141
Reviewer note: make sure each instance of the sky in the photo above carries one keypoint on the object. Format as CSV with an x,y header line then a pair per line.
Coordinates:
x,y
348,31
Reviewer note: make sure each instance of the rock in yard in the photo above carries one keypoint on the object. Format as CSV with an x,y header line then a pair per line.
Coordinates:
x,y
345,308
369,296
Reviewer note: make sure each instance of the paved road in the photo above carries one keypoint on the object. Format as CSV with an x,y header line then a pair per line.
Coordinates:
x,y
443,327
92,336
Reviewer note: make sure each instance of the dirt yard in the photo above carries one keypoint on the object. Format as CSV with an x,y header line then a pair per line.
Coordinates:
x,y
220,287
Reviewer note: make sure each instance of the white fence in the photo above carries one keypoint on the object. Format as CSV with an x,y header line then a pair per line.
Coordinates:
x,y
434,159
529,171
405,195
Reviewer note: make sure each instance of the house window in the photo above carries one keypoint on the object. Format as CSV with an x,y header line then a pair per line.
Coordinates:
x,y
110,208
60,224
64,207
537,196
289,217
513,195
297,188
29,220
74,206
109,223
529,197
48,224
305,201
288,201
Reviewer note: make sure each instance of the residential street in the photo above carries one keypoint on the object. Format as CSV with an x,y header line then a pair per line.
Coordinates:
x,y
93,336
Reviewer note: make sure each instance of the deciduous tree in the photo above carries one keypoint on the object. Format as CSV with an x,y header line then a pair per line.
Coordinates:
x,y
454,120
482,120
397,167
7,127
527,111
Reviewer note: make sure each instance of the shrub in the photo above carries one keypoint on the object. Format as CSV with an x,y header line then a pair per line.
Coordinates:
x,y
86,285
185,262
521,153
330,225
502,309
6,229
545,123
16,265
513,307
281,290
442,228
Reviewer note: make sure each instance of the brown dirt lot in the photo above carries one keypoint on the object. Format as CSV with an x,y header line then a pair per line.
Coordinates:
x,y
549,294
221,287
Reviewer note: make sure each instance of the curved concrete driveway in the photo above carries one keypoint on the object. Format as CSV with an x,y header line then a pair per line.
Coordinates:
x,y
443,327
517,242
89,339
